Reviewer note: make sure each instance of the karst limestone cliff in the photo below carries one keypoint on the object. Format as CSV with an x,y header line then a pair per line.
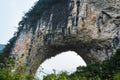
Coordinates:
x,y
89,27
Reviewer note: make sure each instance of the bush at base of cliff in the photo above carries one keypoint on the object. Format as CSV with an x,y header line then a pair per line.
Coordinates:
x,y
8,75
117,76
7,72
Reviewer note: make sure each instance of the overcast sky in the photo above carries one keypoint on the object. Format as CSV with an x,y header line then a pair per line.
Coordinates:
x,y
66,61
10,14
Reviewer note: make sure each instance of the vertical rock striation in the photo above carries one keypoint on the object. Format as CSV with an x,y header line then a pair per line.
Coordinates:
x,y
89,27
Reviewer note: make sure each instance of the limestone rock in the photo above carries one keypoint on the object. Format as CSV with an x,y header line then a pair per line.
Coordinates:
x,y
89,27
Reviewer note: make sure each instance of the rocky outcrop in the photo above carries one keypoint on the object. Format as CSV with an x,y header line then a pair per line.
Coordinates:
x,y
89,27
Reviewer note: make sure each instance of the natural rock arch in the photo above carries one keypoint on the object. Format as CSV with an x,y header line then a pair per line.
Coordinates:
x,y
85,27
91,50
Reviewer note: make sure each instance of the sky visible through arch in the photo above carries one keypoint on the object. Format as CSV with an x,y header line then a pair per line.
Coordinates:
x,y
65,61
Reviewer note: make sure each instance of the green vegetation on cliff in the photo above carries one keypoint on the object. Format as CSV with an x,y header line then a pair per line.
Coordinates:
x,y
38,9
6,51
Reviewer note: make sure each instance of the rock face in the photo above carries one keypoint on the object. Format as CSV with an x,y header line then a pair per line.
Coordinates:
x,y
89,27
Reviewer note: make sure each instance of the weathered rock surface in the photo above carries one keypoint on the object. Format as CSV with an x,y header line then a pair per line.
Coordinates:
x,y
89,27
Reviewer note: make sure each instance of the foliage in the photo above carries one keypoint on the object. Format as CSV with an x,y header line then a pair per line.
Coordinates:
x,y
108,70
35,13
5,54
8,72
61,76
117,76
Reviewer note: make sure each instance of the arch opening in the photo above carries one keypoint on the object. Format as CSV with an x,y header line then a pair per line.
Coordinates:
x,y
66,61
87,50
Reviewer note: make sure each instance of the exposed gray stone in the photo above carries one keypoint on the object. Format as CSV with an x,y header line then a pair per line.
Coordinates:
x,y
89,27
